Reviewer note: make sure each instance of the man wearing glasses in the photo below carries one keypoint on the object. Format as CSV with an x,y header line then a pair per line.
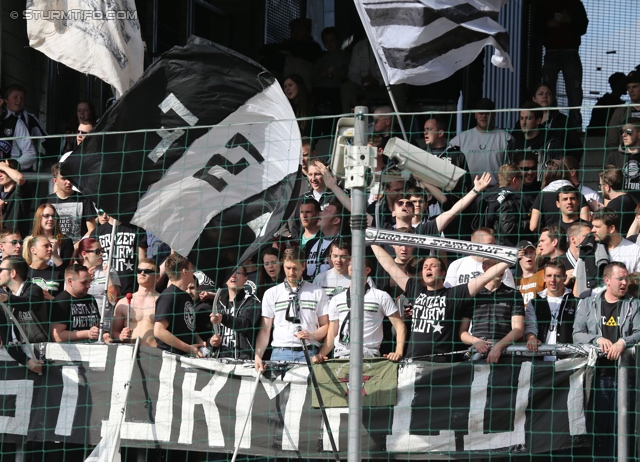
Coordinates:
x,y
134,318
628,156
83,129
237,316
10,243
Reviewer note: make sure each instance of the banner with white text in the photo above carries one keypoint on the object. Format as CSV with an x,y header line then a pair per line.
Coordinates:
x,y
441,411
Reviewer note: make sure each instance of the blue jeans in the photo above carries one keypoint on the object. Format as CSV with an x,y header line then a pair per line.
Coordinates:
x,y
291,356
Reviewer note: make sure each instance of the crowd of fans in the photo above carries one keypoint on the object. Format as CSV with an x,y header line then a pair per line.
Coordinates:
x,y
576,279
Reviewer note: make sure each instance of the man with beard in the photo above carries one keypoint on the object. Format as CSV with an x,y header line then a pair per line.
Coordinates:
x,y
531,187
609,320
605,229
611,183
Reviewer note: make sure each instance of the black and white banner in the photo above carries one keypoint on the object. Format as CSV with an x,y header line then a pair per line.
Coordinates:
x,y
424,41
442,411
208,191
97,38
390,237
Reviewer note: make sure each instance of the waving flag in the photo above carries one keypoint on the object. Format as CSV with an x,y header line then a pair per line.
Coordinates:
x,y
97,38
212,163
424,41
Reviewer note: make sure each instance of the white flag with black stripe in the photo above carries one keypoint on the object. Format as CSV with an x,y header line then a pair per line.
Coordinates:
x,y
97,38
424,41
214,171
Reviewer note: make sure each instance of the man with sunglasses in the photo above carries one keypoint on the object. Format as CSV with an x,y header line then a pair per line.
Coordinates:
x,y
10,243
83,129
622,115
237,315
628,157
140,310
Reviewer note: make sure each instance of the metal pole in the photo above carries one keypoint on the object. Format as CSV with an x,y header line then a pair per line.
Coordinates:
x,y
112,252
358,225
623,408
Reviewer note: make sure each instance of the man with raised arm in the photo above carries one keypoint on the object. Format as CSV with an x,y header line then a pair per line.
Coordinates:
x,y
175,319
436,308
377,306
296,310
140,310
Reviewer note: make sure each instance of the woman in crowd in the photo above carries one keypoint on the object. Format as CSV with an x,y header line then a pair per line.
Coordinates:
x,y
85,113
271,273
89,253
556,122
47,223
301,102
37,251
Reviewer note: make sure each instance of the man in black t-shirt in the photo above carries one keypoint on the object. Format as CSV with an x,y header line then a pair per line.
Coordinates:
x,y
611,183
175,319
77,213
611,321
498,318
74,313
436,310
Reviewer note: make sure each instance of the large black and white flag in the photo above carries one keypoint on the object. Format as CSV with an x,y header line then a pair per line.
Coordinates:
x,y
212,161
97,38
424,41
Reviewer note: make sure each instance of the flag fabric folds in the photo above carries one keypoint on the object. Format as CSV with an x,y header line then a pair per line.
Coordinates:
x,y
213,161
97,38
379,383
420,42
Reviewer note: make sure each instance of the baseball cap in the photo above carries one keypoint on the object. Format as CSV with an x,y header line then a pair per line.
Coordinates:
x,y
524,244
633,77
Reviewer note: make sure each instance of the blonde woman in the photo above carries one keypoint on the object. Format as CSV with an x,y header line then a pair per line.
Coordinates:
x,y
37,251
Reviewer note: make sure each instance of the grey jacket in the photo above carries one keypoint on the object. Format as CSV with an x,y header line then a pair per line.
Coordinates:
x,y
587,327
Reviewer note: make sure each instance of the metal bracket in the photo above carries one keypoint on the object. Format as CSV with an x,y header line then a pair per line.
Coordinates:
x,y
359,162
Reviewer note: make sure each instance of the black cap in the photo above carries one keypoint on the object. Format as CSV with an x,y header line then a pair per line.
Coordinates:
x,y
485,104
524,244
633,77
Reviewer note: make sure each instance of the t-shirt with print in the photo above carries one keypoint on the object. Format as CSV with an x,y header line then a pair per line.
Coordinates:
x,y
50,279
74,212
530,286
610,330
176,306
75,313
128,239
436,318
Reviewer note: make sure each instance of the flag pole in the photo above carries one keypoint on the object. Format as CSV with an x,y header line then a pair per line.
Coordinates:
x,y
383,72
23,334
107,279
246,420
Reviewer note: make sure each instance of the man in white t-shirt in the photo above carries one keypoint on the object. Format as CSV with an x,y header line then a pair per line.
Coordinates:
x,y
377,305
484,145
297,310
337,279
549,317
464,269
605,222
